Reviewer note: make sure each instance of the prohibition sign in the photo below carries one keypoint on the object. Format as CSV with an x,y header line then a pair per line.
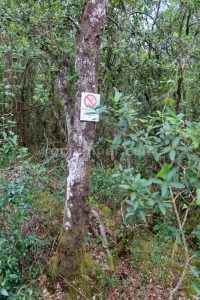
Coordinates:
x,y
90,100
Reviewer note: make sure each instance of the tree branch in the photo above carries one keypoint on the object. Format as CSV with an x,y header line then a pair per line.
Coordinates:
x,y
148,15
74,22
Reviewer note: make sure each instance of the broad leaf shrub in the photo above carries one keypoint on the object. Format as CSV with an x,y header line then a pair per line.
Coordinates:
x,y
173,156
160,166
19,251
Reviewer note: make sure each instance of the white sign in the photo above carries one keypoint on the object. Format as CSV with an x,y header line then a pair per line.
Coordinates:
x,y
89,103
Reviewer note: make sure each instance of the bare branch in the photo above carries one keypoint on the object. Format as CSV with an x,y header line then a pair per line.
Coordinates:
x,y
188,257
74,22
149,16
114,22
102,229
186,265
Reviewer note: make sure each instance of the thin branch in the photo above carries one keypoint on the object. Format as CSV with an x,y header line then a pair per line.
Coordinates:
x,y
187,262
74,22
102,229
123,6
188,258
33,107
115,22
186,213
47,147
179,221
150,16
157,13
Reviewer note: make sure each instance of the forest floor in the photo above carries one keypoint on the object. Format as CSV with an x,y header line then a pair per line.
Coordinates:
x,y
124,263
133,265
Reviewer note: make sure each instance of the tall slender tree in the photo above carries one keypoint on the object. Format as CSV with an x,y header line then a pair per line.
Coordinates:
x,y
80,137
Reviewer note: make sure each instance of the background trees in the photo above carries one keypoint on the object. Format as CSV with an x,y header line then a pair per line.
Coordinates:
x,y
153,45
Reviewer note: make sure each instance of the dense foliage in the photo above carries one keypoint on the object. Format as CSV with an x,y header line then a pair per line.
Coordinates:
x,y
146,156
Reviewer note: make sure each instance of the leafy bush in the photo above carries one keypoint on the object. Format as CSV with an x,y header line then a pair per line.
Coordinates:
x,y
103,186
18,246
159,171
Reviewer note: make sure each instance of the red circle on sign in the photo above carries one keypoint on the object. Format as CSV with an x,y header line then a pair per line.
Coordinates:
x,y
90,100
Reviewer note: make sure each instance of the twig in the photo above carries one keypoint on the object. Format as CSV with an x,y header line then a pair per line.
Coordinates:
x,y
115,22
74,22
33,107
179,221
172,292
148,15
183,237
47,148
102,229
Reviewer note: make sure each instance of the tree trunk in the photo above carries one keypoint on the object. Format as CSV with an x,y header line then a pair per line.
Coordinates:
x,y
180,87
80,139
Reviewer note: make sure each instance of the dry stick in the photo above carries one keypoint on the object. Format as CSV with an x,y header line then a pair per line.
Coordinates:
x,y
188,258
179,221
102,229
47,147
172,292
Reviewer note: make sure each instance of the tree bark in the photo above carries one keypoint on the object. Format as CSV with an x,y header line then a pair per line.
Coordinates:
x,y
80,139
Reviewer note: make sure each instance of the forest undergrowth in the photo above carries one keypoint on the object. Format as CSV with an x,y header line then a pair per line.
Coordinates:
x,y
135,248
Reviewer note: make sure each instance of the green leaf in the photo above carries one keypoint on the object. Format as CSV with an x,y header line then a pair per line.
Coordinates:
x,y
2,240
4,292
195,286
164,171
164,190
133,196
145,183
172,154
151,202
13,276
176,142
177,185
166,150
198,196
125,187
171,174
194,271
162,208
185,206
129,202
117,95
117,140
156,180
130,214
136,204
142,215
156,156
